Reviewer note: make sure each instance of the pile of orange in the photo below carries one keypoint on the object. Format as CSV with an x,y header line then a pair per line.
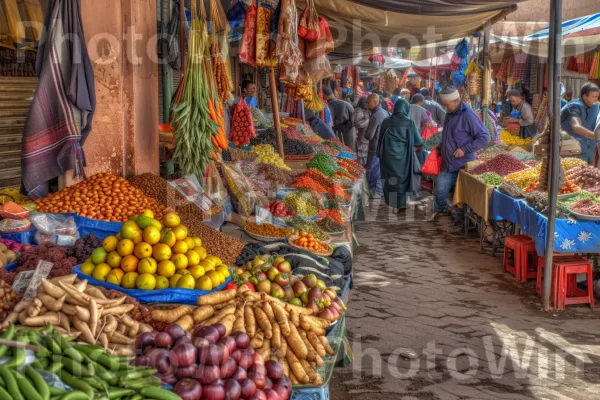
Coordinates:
x,y
309,242
148,254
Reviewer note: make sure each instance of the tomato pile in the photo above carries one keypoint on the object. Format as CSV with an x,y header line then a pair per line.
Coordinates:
x,y
242,128
279,209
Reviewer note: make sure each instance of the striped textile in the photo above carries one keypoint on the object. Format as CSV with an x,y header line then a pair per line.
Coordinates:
x,y
60,116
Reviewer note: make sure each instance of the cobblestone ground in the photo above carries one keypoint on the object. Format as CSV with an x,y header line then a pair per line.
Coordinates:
x,y
432,318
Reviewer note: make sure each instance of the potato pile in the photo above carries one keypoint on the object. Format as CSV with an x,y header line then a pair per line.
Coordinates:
x,y
279,331
6,256
80,310
103,196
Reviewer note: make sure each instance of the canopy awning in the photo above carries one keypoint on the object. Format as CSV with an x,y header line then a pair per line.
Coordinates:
x,y
358,27
584,26
438,7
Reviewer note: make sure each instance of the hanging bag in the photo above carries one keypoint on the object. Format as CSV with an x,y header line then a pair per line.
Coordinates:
x,y
308,27
433,163
323,45
248,45
236,15
242,127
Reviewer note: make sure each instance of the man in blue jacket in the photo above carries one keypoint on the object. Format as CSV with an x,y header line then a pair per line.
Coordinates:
x,y
578,118
463,135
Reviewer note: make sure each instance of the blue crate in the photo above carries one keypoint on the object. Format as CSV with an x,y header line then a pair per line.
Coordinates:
x,y
317,393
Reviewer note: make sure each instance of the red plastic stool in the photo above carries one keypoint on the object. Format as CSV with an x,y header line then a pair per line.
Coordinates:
x,y
529,262
520,245
566,276
540,273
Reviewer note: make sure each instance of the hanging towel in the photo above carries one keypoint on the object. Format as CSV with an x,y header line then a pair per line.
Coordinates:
x,y
60,117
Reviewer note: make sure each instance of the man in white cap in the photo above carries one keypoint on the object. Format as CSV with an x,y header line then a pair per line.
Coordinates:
x,y
463,135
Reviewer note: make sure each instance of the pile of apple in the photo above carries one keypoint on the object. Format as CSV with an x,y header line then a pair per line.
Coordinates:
x,y
273,277
210,365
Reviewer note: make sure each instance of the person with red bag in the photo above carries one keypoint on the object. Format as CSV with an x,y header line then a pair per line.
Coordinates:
x,y
463,135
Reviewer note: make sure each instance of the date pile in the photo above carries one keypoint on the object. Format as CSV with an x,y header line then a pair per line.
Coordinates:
x,y
503,164
585,176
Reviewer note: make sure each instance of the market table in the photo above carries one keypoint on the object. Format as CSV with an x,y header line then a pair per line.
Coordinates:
x,y
570,236
476,195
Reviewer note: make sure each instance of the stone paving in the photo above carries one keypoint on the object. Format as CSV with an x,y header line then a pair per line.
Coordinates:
x,y
432,318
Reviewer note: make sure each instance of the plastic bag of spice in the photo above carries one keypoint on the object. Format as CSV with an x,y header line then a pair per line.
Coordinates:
x,y
243,197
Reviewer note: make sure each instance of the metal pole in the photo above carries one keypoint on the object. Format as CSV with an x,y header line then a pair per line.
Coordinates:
x,y
182,34
485,97
278,137
554,69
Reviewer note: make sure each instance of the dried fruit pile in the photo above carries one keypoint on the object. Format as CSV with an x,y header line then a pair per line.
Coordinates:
x,y
331,226
572,162
266,154
307,183
539,201
301,224
587,207
268,230
279,209
303,203
8,299
502,164
524,178
291,146
103,196
333,214
83,247
324,163
584,176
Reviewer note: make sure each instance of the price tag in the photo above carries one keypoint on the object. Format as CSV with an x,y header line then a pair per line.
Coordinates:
x,y
41,272
263,216
23,278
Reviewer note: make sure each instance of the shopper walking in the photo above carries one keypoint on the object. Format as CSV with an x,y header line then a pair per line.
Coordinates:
x,y
397,141
371,136
341,115
525,115
417,113
462,136
437,112
360,118
578,118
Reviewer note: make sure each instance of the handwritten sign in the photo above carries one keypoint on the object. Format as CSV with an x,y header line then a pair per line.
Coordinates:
x,y
42,270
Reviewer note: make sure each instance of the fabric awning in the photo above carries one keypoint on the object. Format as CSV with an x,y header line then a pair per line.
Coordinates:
x,y
584,26
438,7
357,27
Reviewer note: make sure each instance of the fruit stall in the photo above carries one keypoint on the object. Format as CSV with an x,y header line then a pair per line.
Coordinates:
x,y
120,288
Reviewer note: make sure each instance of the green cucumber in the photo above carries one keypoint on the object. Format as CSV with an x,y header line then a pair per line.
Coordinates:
x,y
56,391
76,383
8,334
55,367
116,393
76,369
4,394
53,346
75,396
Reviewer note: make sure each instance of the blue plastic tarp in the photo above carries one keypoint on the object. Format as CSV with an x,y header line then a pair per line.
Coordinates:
x,y
570,236
176,296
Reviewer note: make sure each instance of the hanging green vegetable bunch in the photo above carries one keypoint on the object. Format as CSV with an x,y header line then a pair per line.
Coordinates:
x,y
193,127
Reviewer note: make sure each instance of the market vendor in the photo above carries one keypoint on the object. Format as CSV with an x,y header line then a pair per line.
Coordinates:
x,y
341,115
525,115
317,125
578,118
463,135
248,92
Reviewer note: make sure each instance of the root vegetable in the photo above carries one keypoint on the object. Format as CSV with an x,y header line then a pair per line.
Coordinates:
x,y
69,279
93,316
295,317
22,305
118,310
42,320
50,302
265,349
316,343
186,322
250,321
103,340
326,345
121,350
82,313
63,321
310,371
69,309
285,365
296,344
230,309
111,325
276,339
10,319
257,340
228,321
170,316
263,322
200,314
217,297
282,319
239,323
269,311
81,285
34,308
145,328
223,305
86,333
119,338
95,292
297,369
311,355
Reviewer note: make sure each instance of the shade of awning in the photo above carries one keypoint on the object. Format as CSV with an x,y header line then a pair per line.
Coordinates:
x,y
358,27
438,7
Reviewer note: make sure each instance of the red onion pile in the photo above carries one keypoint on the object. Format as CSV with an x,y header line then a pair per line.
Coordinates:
x,y
587,207
208,365
503,164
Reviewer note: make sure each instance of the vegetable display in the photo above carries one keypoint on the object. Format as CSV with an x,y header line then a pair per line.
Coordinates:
x,y
278,331
583,176
148,255
539,201
88,371
268,230
523,178
79,310
324,163
503,164
102,196
330,226
266,154
212,363
242,128
490,178
301,224
309,242
303,203
510,139
587,207
279,209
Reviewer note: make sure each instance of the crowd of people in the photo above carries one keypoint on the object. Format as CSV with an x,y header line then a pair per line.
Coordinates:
x,y
387,133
